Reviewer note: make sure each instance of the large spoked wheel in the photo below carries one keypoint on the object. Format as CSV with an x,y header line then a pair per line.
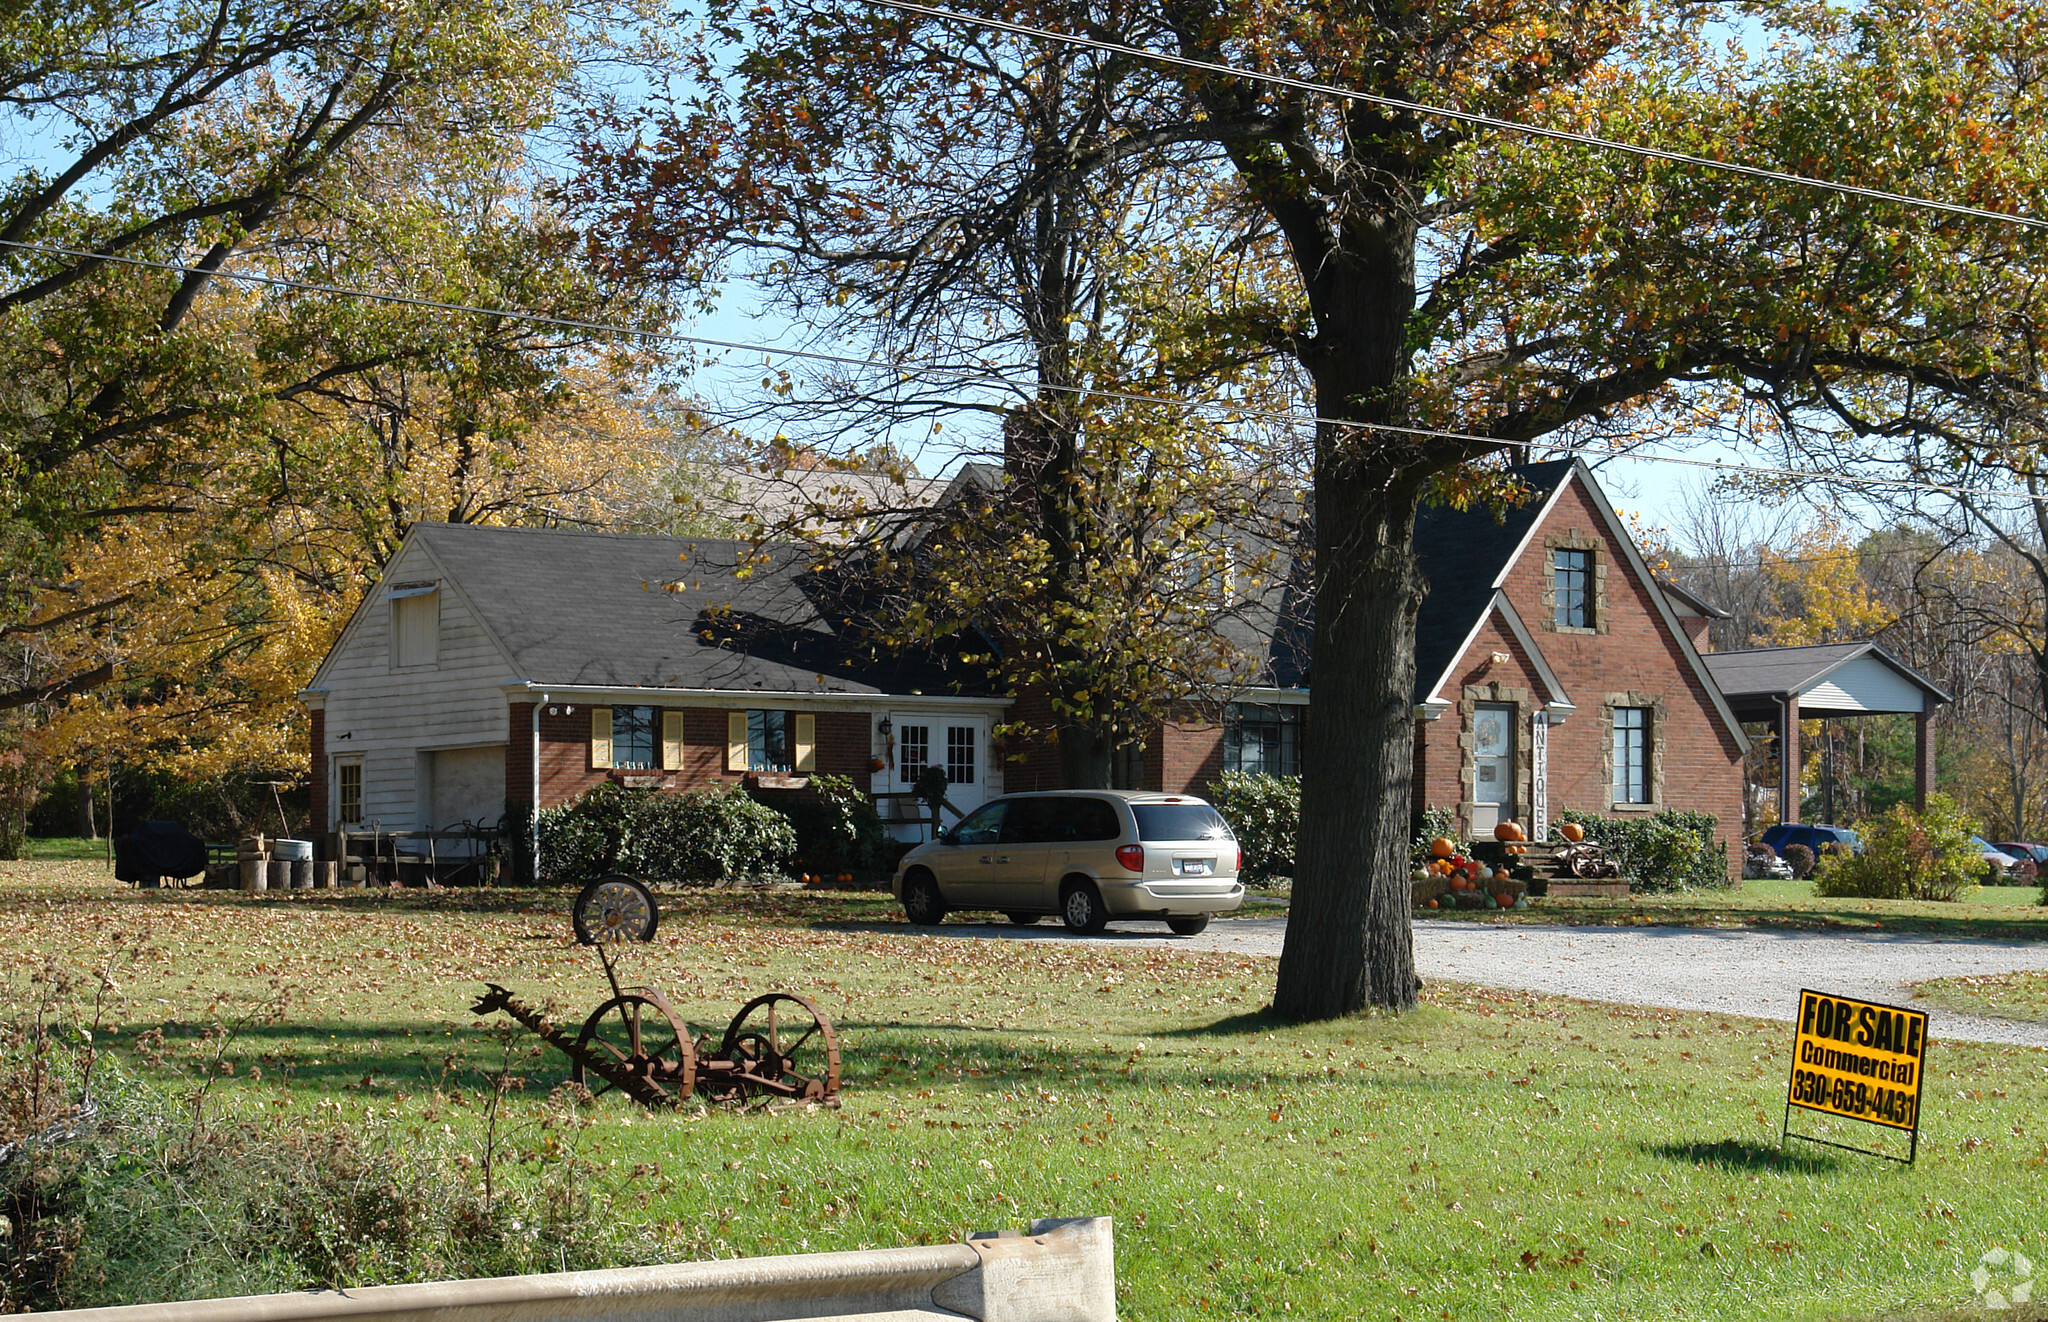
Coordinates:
x,y
615,908
1081,908
922,903
635,1043
783,1044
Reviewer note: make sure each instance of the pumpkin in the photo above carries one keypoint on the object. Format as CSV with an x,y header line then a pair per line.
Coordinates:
x,y
1509,831
1500,874
1572,831
1420,874
1441,848
1431,904
1505,900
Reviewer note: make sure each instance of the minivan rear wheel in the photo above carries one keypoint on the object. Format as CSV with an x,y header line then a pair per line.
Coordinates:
x,y
922,903
1081,908
1191,925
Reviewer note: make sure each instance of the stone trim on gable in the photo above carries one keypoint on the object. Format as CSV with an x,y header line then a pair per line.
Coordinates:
x,y
1524,703
1572,539
1656,769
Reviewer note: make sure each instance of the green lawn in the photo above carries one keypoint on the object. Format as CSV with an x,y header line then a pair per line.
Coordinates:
x,y
1494,1154
65,848
2022,996
2005,912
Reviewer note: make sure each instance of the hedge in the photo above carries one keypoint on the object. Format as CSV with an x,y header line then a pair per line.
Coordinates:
x,y
1264,813
1669,850
717,835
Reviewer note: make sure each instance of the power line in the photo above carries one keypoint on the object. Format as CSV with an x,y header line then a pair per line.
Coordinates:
x,y
992,376
1461,116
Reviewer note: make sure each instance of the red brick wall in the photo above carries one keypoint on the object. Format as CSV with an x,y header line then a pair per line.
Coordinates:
x,y
565,771
519,757
1030,762
1189,756
319,819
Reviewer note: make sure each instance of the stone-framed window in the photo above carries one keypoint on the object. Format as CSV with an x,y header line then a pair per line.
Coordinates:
x,y
1574,583
1633,764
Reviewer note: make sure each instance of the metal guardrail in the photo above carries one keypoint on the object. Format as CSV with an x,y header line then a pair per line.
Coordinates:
x,y
1063,1270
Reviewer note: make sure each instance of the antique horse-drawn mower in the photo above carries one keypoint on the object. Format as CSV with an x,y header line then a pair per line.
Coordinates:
x,y
779,1045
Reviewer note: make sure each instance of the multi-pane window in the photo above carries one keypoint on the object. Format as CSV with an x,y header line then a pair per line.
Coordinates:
x,y
960,754
348,792
913,753
1262,739
1571,581
633,735
1631,755
769,746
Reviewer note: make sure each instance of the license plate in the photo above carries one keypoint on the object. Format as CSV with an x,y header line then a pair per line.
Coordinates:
x,y
1194,867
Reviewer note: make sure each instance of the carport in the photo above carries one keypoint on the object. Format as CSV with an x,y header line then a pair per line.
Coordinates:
x,y
1782,686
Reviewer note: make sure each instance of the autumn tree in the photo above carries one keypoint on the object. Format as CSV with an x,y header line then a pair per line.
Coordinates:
x,y
205,457
1456,293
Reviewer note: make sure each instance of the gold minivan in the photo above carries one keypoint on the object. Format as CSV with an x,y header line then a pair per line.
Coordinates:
x,y
1089,856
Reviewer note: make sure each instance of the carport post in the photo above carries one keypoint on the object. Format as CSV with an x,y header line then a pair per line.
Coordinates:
x,y
1923,758
1788,759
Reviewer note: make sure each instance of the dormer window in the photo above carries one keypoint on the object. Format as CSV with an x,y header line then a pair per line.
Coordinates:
x,y
415,625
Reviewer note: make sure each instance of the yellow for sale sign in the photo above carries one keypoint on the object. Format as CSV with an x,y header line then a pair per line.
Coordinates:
x,y
1858,1060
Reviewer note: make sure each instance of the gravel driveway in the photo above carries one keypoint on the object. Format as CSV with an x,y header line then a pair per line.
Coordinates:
x,y
1747,972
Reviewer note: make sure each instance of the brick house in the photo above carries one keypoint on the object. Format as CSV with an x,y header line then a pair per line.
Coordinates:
x,y
494,670
1553,672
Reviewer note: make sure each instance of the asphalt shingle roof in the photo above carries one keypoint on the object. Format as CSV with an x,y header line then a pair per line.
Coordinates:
x,y
635,611
1462,552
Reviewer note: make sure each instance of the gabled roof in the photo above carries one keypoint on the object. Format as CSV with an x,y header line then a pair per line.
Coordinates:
x,y
1757,680
1692,601
1466,556
571,607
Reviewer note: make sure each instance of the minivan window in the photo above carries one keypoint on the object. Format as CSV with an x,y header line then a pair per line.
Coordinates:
x,y
1033,822
1092,819
1180,821
981,826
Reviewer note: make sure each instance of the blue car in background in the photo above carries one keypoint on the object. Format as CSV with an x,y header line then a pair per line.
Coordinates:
x,y
1816,838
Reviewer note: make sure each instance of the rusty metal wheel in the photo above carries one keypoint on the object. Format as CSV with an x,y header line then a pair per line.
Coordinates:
x,y
783,1044
636,1043
615,908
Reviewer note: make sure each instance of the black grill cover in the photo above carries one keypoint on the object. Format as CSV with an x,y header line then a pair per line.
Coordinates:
x,y
158,849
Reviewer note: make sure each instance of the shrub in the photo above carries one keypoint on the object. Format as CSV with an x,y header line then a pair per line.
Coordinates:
x,y
1908,855
837,827
1430,824
1802,860
585,838
708,835
1264,813
1669,850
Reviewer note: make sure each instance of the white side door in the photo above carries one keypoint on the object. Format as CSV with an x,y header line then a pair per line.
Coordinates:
x,y
957,743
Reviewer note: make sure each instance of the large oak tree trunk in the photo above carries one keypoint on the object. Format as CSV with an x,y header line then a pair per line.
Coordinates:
x,y
1349,940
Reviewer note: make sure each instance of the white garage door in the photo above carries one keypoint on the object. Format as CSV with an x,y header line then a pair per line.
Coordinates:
x,y
466,785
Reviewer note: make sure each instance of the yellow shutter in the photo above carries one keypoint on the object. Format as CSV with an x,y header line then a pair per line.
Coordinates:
x,y
600,737
736,741
806,743
672,741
